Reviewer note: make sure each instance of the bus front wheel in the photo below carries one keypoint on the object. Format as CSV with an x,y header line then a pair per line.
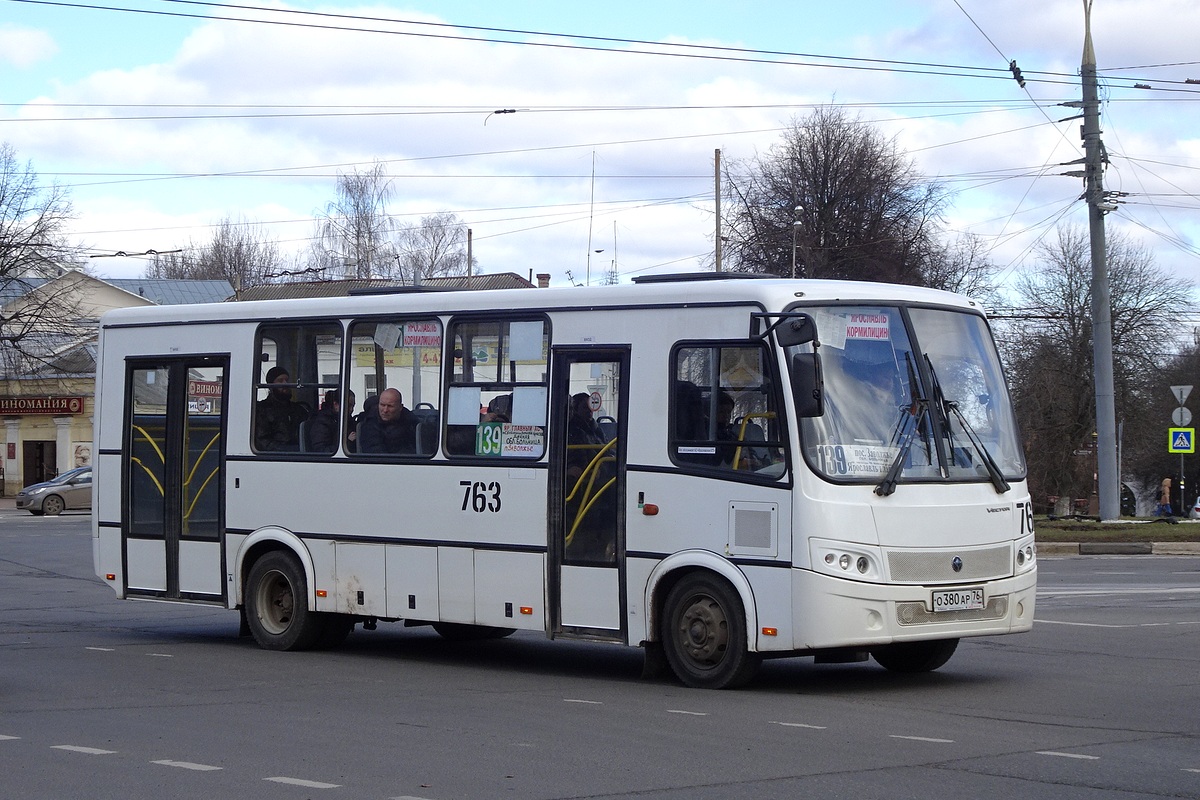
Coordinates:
x,y
915,656
704,634
277,604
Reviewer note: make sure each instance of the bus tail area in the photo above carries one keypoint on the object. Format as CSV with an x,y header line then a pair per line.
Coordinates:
x,y
718,470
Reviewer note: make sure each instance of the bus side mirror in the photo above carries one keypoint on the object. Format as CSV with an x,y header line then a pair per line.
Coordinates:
x,y
807,387
800,329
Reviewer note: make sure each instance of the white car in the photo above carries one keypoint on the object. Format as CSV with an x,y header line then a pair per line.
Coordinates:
x,y
1194,513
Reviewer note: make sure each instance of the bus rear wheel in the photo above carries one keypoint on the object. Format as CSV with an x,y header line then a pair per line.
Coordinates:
x,y
704,634
915,656
277,605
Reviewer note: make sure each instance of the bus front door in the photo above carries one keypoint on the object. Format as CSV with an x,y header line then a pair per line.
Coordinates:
x,y
587,515
173,457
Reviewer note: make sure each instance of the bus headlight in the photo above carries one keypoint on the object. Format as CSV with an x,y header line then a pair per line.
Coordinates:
x,y
1026,555
856,562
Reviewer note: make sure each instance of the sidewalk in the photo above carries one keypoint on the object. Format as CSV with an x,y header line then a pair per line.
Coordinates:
x,y
1118,548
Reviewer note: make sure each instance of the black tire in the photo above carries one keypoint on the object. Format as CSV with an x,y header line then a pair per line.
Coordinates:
x,y
704,634
459,632
277,605
53,505
915,656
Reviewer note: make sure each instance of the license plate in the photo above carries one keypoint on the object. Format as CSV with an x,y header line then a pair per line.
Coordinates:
x,y
958,599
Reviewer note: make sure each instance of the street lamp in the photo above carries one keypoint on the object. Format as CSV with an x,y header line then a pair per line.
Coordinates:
x,y
796,226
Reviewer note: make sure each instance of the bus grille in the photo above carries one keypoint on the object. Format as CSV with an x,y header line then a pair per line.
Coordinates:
x,y
923,566
917,614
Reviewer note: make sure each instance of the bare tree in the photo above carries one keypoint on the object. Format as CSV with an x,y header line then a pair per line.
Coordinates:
x,y
354,235
962,266
238,252
35,324
1049,354
836,199
435,247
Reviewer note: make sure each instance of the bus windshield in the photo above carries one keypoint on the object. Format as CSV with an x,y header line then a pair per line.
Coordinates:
x,y
911,394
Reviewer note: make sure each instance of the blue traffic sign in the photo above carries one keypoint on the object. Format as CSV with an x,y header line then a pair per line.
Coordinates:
x,y
1181,440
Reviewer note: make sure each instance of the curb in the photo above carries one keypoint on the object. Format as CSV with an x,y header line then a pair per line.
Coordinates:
x,y
1118,548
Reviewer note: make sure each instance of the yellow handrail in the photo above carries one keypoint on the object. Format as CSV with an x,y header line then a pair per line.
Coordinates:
x,y
590,472
138,461
737,454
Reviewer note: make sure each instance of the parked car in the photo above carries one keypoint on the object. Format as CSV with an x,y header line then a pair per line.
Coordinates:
x,y
70,490
1195,512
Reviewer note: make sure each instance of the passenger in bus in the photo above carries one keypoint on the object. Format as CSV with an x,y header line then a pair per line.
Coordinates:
x,y
276,417
581,425
389,428
323,424
499,409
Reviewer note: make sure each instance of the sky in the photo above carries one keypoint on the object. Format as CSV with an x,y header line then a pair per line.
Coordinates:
x,y
164,117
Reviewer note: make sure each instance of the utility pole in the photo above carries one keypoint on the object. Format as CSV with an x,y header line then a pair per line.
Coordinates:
x,y
1108,480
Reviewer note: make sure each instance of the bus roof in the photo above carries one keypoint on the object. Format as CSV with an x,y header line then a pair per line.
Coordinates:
x,y
773,294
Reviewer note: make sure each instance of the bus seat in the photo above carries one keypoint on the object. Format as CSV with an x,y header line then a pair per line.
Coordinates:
x,y
608,427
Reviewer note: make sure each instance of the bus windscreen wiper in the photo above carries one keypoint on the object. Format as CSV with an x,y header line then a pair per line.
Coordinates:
x,y
950,407
908,426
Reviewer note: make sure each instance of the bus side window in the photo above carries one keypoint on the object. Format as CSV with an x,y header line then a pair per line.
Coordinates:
x,y
388,356
725,410
297,366
496,403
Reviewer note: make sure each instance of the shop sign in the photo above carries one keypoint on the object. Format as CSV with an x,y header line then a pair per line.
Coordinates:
x,y
41,405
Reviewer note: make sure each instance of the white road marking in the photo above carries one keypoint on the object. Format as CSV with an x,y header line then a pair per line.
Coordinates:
x,y
923,739
799,725
585,702
160,655
1081,624
101,649
689,713
91,751
303,783
1067,755
4,738
1113,592
187,765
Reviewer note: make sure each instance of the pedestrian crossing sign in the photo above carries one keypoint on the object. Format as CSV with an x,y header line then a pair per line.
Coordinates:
x,y
1182,440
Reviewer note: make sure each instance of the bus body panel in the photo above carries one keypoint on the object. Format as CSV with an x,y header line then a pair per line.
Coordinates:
x,y
467,541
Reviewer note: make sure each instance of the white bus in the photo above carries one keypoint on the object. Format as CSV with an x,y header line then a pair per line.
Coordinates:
x,y
715,468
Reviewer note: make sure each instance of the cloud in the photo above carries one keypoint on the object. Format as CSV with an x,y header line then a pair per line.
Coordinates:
x,y
23,47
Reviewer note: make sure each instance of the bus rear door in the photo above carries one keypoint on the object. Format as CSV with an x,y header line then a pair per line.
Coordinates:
x,y
174,454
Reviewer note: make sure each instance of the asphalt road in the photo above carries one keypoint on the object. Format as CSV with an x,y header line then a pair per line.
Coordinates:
x,y
101,698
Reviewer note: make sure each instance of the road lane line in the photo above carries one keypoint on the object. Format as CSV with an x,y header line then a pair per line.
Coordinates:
x,y
91,751
688,713
585,702
187,765
922,739
303,783
4,738
101,649
1057,754
799,725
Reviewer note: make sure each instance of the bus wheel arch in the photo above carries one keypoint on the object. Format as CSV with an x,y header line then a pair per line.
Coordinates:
x,y
702,618
267,540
